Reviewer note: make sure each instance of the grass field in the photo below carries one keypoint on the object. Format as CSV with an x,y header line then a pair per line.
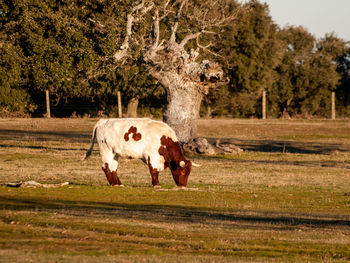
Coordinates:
x,y
286,198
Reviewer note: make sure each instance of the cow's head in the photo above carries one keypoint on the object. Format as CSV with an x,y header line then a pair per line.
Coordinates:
x,y
175,160
181,172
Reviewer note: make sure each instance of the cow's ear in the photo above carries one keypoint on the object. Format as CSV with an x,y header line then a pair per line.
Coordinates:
x,y
173,165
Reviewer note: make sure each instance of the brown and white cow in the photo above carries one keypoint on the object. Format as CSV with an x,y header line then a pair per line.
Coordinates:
x,y
154,142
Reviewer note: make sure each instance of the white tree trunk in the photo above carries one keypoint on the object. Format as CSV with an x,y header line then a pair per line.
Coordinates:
x,y
182,111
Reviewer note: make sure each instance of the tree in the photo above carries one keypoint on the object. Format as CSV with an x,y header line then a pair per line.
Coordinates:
x,y
292,82
63,49
327,61
13,98
343,90
166,37
252,51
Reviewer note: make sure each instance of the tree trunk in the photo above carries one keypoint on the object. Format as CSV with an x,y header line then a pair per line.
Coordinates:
x,y
264,104
47,98
131,111
333,105
120,112
209,111
182,111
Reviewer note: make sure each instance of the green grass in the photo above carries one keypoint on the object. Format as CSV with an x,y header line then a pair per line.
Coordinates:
x,y
99,221
260,206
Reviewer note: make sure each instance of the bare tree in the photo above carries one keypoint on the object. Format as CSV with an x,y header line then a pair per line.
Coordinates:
x,y
172,36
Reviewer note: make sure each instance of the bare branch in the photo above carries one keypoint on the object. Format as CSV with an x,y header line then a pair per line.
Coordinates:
x,y
179,12
156,29
97,23
123,50
176,25
148,8
166,4
206,48
173,32
189,37
139,6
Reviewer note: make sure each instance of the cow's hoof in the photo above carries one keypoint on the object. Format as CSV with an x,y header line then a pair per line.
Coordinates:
x,y
119,185
157,187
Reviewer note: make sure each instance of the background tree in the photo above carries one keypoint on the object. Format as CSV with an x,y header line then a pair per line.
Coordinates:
x,y
343,90
13,98
252,50
292,82
63,49
334,52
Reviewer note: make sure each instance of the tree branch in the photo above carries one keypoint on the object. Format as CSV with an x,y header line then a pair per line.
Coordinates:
x,y
176,25
139,6
189,37
156,30
123,50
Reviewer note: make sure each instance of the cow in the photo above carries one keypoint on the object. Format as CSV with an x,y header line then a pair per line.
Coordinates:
x,y
154,142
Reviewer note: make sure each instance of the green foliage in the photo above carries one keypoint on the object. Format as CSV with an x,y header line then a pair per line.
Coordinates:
x,y
252,51
67,47
13,98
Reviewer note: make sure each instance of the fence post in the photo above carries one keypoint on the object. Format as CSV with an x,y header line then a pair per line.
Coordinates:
x,y
333,105
48,112
264,104
120,115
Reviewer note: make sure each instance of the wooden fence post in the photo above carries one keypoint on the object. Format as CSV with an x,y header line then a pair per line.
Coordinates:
x,y
264,104
48,112
333,105
120,115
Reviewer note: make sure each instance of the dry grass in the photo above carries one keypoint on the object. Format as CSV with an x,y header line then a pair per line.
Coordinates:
x,y
263,205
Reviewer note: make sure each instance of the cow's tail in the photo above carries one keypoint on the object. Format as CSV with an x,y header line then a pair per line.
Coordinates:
x,y
88,153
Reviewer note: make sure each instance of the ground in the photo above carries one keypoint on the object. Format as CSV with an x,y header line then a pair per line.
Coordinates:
x,y
286,198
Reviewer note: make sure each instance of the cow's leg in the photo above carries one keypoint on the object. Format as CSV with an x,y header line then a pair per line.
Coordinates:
x,y
109,166
154,173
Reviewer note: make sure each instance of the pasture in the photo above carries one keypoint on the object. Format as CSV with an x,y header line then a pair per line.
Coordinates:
x,y
286,198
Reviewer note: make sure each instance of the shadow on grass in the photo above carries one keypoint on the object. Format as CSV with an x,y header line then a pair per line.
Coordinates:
x,y
294,147
43,135
173,213
42,147
316,163
274,146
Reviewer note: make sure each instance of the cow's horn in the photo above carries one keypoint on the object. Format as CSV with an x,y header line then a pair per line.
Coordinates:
x,y
195,164
182,164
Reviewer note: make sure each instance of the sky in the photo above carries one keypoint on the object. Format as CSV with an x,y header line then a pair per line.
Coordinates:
x,y
317,16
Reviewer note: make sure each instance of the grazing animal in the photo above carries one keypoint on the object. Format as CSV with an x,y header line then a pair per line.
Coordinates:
x,y
153,142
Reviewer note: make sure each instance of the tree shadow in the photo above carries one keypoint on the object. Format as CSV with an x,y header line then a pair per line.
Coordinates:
x,y
275,146
41,147
43,135
175,213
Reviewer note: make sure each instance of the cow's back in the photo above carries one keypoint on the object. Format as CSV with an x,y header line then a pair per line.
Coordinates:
x,y
133,137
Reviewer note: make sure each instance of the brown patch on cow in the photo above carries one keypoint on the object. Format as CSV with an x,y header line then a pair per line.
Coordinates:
x,y
136,136
111,176
173,155
154,173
